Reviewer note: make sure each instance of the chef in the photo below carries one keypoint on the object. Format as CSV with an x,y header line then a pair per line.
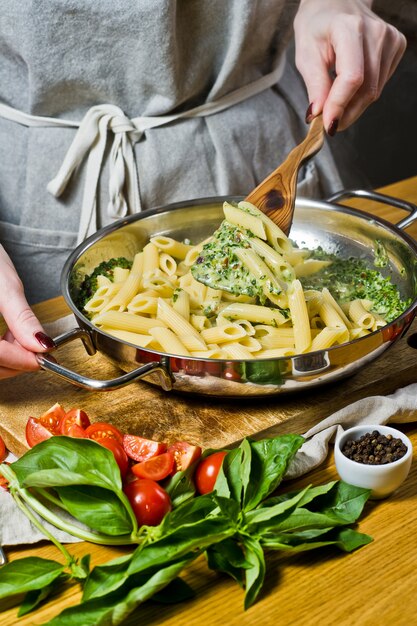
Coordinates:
x,y
108,108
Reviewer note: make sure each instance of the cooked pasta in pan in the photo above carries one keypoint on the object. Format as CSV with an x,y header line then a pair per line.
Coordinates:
x,y
244,293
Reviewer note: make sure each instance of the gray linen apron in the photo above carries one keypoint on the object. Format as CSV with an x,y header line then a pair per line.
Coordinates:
x,y
60,58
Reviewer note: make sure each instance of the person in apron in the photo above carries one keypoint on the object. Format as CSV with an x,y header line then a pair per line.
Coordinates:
x,y
108,108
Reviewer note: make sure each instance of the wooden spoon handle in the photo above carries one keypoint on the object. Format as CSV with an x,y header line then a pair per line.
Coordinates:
x,y
275,196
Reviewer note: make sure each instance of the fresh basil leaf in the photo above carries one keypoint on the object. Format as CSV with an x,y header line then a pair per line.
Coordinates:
x,y
235,472
180,487
106,578
349,539
344,502
264,518
345,539
115,608
98,508
231,463
27,574
187,513
64,460
311,494
180,541
270,459
36,596
228,557
81,569
255,574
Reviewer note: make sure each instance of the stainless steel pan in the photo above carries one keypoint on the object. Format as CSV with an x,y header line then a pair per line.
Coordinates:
x,y
337,229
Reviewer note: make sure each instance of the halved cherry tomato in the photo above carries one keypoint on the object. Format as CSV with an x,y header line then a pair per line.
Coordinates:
x,y
74,430
74,417
2,450
36,432
156,468
120,455
103,430
140,449
51,418
207,471
149,501
184,454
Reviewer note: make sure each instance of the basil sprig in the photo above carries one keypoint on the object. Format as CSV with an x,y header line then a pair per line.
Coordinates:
x,y
234,525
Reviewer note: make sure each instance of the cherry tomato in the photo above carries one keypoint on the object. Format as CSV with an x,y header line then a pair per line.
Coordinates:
x,y
2,450
103,430
207,470
149,501
156,468
140,449
74,417
118,452
36,432
51,418
184,454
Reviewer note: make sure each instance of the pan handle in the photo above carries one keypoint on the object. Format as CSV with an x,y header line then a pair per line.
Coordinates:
x,y
380,197
47,362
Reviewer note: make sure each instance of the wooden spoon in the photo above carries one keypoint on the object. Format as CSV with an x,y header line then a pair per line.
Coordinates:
x,y
275,196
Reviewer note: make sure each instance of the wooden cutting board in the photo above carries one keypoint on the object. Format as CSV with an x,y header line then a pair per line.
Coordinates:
x,y
148,411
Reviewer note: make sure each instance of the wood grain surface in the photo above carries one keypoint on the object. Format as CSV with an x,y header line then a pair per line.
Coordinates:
x,y
373,585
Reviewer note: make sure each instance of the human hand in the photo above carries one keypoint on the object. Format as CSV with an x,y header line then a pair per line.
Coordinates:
x,y
25,335
346,39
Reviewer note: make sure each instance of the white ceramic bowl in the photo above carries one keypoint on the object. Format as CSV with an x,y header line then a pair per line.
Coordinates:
x,y
381,479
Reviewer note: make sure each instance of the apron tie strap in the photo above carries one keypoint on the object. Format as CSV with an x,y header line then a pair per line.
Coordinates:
x,y
91,139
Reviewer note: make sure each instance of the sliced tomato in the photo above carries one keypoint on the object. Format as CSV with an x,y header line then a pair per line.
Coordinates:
x,y
120,455
156,468
36,432
140,449
74,417
103,430
52,417
185,455
2,450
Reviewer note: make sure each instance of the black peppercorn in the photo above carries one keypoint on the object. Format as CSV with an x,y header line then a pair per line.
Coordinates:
x,y
374,449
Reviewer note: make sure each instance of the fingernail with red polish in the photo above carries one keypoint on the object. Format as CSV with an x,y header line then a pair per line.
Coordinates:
x,y
45,341
309,113
333,127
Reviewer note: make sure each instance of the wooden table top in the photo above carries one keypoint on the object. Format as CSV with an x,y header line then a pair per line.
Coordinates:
x,y
374,584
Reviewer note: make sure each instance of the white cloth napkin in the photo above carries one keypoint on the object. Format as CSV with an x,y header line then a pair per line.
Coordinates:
x,y
400,407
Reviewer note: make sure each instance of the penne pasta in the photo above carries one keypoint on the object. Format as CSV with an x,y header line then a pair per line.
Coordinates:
x,y
159,305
